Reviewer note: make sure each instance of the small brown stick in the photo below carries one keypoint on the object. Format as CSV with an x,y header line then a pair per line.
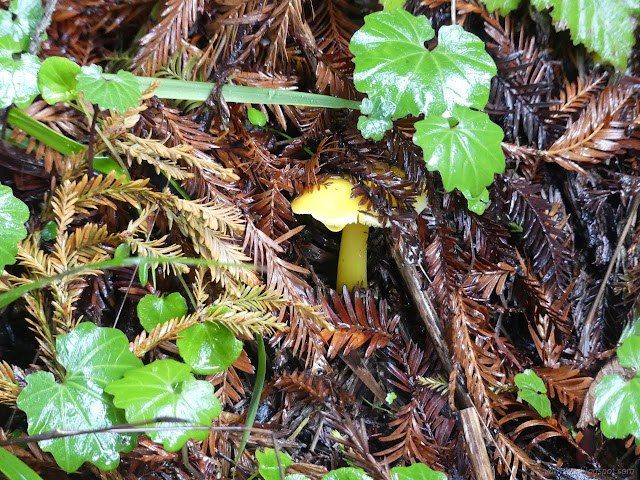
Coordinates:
x,y
585,338
42,26
477,449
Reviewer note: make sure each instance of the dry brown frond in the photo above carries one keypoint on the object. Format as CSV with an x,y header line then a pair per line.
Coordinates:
x,y
9,386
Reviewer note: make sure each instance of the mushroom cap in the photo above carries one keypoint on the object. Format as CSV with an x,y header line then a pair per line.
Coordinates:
x,y
330,202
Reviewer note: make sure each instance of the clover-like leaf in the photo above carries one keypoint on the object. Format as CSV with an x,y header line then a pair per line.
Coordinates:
x,y
269,463
13,215
166,388
18,80
617,404
417,471
532,389
347,473
119,93
209,347
154,311
603,26
465,149
392,63
629,352
18,24
92,357
57,80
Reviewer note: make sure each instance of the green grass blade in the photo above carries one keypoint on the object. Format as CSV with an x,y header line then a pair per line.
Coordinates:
x,y
14,468
187,90
43,133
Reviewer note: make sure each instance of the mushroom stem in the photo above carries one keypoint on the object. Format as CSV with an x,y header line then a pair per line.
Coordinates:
x,y
352,262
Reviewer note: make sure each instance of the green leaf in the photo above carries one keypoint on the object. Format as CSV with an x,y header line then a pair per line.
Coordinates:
x,y
122,251
631,329
347,473
19,23
467,154
532,389
256,117
92,358
120,93
392,63
13,215
49,231
154,311
417,471
603,26
269,463
629,353
618,406
14,468
209,348
392,4
166,388
503,6
18,80
57,80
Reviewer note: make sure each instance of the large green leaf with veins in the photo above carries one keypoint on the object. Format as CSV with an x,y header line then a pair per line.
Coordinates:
x,y
13,215
18,80
92,357
603,26
166,388
118,94
393,64
18,24
465,149
617,404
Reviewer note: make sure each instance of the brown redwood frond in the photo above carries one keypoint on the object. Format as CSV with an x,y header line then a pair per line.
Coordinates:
x,y
161,42
566,384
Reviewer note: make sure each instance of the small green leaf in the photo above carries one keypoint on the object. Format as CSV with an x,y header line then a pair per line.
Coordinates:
x,y
209,348
122,251
532,389
154,311
13,215
503,6
166,388
269,463
631,329
376,117
18,80
393,64
256,117
57,80
390,398
143,274
347,473
14,468
417,471
92,358
467,155
629,353
603,26
118,94
392,4
19,23
49,231
618,406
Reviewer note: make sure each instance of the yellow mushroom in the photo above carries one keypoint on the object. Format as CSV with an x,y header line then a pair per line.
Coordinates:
x,y
330,202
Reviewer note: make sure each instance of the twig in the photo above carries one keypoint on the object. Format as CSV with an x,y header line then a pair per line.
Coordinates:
x,y
586,330
49,8
475,443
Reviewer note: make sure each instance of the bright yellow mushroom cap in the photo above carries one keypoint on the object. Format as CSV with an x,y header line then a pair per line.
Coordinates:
x,y
330,203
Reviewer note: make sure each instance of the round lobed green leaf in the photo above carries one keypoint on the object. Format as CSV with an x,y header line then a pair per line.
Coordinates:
x,y
392,63
13,215
503,6
629,352
154,311
617,404
119,94
417,471
347,473
18,24
92,358
57,80
466,149
166,388
18,80
269,463
209,348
